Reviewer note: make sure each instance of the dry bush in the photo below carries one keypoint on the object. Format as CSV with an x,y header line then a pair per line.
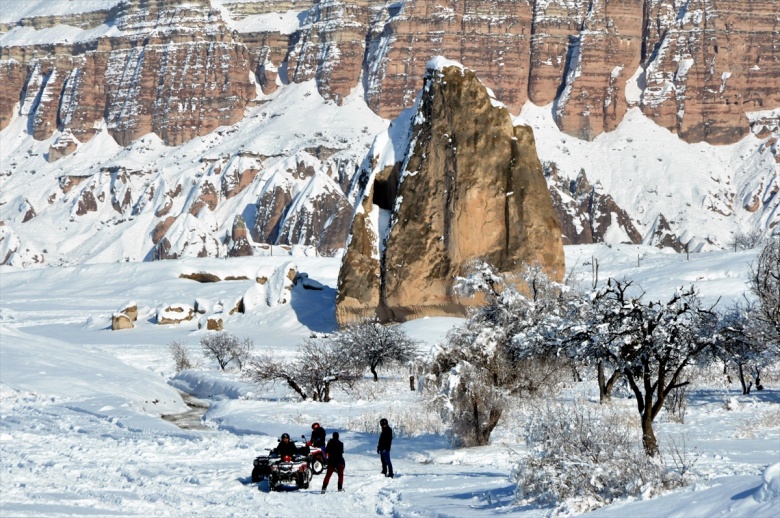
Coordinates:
x,y
764,421
181,356
406,421
225,348
584,456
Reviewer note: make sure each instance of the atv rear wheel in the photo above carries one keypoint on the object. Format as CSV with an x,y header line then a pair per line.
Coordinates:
x,y
317,466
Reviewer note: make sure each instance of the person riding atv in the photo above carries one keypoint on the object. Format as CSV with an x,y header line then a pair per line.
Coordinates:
x,y
286,447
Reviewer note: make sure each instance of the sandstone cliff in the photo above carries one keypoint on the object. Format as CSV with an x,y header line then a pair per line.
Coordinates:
x,y
196,74
181,70
470,187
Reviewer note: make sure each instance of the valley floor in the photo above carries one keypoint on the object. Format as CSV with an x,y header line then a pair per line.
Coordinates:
x,y
80,433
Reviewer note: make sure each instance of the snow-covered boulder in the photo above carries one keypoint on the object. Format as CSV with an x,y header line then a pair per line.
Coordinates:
x,y
131,310
264,273
211,323
203,306
175,314
770,490
121,321
279,287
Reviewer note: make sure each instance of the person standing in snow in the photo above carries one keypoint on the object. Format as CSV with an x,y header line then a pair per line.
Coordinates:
x,y
334,452
383,448
318,434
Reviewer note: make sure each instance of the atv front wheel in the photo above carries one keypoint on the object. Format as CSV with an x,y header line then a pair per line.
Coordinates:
x,y
257,475
317,466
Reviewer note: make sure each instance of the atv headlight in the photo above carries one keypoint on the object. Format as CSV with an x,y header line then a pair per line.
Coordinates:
x,y
257,462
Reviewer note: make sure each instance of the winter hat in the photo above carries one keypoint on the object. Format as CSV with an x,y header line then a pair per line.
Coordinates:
x,y
335,435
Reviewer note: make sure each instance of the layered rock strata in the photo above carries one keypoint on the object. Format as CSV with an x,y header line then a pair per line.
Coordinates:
x,y
470,188
182,70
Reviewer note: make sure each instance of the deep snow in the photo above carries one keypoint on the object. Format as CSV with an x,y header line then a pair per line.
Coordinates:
x,y
80,432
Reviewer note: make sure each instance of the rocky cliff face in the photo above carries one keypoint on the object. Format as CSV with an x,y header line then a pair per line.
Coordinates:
x,y
181,70
470,187
704,69
164,67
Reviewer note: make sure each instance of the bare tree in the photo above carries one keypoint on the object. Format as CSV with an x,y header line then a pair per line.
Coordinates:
x,y
376,345
318,365
743,342
650,343
181,356
225,348
765,283
265,369
745,240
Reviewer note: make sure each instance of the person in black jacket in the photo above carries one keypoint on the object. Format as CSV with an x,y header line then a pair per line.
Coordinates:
x,y
334,452
318,434
286,447
383,448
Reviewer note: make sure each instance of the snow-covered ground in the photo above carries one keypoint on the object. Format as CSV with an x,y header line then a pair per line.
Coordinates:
x,y
81,433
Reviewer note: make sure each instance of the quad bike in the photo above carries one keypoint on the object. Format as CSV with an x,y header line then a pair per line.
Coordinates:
x,y
283,471
315,457
289,470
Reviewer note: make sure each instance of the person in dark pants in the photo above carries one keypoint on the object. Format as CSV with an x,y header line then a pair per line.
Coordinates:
x,y
334,452
383,448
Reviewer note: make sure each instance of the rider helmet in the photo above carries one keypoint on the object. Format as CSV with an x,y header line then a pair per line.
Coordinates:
x,y
383,422
315,425
285,436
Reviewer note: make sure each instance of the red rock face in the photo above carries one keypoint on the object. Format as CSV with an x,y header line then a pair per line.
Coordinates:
x,y
708,65
179,71
491,38
174,72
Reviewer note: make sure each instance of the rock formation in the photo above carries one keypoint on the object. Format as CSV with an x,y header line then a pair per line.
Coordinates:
x,y
470,187
121,321
697,66
587,214
150,71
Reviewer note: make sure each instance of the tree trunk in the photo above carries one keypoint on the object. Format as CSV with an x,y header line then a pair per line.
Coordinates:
x,y
326,395
373,371
649,441
606,385
745,387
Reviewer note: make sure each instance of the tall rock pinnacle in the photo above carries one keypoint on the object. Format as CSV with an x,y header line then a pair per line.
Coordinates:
x,y
469,186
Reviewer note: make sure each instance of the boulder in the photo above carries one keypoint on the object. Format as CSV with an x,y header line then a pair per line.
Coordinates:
x,y
131,310
121,321
212,323
175,314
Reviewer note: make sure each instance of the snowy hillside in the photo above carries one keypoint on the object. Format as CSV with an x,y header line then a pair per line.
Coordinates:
x,y
81,434
105,203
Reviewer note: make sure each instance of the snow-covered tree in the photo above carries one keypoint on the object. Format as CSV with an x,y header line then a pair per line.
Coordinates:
x,y
765,283
743,342
496,353
650,343
376,345
226,348
318,365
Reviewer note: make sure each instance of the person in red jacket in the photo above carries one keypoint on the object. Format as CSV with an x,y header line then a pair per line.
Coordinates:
x,y
335,456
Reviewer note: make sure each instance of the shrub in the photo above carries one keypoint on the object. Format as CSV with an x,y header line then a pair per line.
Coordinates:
x,y
181,356
226,348
585,456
